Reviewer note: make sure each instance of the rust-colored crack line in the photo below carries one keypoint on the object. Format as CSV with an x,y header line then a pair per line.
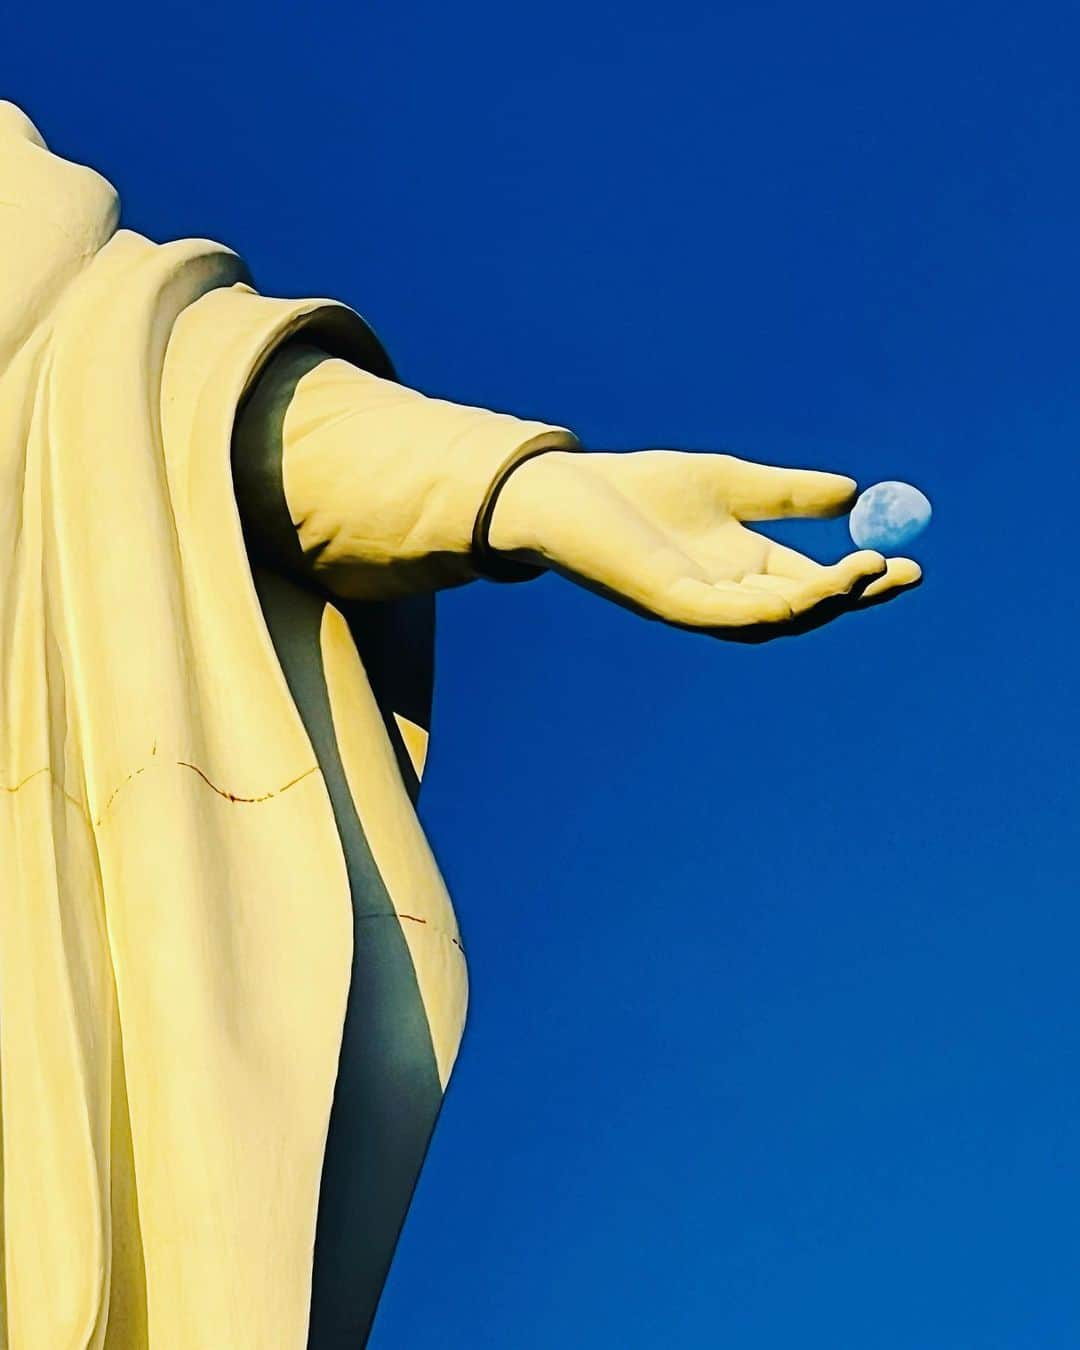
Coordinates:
x,y
30,776
15,787
221,792
116,790
246,801
414,918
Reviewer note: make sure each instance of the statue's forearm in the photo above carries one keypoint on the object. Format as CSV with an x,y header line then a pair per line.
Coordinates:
x,y
368,487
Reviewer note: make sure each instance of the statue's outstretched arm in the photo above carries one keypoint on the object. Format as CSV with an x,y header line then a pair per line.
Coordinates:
x,y
374,490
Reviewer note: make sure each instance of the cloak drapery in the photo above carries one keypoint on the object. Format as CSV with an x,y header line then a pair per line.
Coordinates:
x,y
175,931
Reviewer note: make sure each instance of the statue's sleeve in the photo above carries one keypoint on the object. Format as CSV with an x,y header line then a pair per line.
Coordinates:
x,y
366,487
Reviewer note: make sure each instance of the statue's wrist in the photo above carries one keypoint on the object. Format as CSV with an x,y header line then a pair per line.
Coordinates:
x,y
514,528
507,543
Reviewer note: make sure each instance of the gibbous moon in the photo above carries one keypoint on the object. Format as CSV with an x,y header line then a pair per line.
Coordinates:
x,y
888,515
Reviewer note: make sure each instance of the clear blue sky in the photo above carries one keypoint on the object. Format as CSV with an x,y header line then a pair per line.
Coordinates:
x,y
774,1033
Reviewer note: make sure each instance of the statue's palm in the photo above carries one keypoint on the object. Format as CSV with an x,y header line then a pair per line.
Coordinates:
x,y
663,532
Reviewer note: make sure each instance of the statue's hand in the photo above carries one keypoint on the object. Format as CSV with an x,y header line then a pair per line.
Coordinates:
x,y
662,532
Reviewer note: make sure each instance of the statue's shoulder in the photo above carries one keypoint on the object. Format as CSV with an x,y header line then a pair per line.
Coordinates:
x,y
47,189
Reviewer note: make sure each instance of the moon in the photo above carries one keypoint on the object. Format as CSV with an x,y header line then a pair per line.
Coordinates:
x,y
889,515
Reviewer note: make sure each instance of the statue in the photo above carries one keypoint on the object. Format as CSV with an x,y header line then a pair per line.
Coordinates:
x,y
231,983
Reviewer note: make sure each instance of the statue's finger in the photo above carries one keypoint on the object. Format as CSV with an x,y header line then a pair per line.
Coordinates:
x,y
901,574
767,492
851,577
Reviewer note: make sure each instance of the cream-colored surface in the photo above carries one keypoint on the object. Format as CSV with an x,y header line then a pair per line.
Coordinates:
x,y
397,842
415,739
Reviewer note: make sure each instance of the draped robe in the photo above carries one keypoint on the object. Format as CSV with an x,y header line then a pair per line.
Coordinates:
x,y
178,903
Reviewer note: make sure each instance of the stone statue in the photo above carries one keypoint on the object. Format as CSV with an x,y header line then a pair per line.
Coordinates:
x,y
231,982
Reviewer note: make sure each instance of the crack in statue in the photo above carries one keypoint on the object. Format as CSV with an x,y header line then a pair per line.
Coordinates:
x,y
228,1012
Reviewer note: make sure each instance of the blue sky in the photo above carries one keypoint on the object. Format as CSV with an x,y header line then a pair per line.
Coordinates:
x,y
774,1029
